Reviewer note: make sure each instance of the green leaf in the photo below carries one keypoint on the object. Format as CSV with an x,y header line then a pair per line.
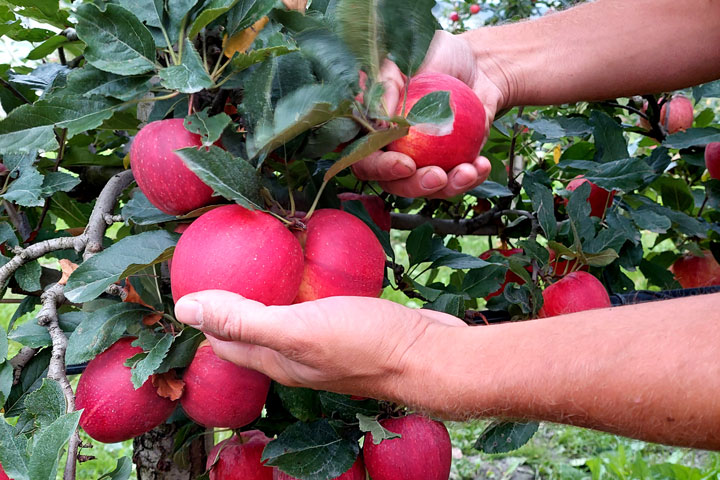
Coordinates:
x,y
116,40
302,403
30,380
694,137
6,380
359,24
100,329
89,81
579,209
122,471
120,260
601,259
379,433
27,189
711,89
433,108
182,350
12,453
188,77
209,128
33,335
142,369
610,142
676,193
177,11
407,32
47,47
270,42
44,11
210,11
7,235
311,451
28,276
557,128
335,405
627,174
355,207
246,12
149,11
490,189
140,211
418,244
46,404
48,444
331,59
54,182
449,303
230,177
3,344
481,282
75,214
542,201
650,220
503,437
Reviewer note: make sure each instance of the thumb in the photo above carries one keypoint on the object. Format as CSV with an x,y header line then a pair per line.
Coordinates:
x,y
229,316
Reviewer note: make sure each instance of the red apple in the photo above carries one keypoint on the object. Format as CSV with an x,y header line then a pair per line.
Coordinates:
x,y
179,229
239,457
3,475
113,410
446,150
681,114
342,257
219,393
576,292
712,159
3,171
375,206
356,472
560,268
454,17
474,8
695,272
599,199
161,174
510,277
242,251
424,451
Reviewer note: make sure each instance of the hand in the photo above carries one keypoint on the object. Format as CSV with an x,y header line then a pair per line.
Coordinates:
x,y
396,172
352,345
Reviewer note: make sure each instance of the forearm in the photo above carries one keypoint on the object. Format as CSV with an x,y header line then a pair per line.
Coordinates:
x,y
649,371
604,49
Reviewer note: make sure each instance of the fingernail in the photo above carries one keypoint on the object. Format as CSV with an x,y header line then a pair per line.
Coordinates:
x,y
189,312
460,180
431,180
402,170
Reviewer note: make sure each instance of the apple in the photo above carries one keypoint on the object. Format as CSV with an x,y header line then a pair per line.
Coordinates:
x,y
375,206
239,250
160,173
560,268
681,114
510,276
3,171
239,457
3,475
114,411
712,159
576,292
424,451
474,9
219,393
599,199
454,17
446,150
356,472
179,229
342,257
695,272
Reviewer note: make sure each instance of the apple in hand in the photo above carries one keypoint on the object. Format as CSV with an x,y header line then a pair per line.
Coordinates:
x,y
356,472
599,199
431,144
695,272
239,457
712,159
113,410
242,251
219,393
424,451
342,257
575,292
160,173
376,207
681,114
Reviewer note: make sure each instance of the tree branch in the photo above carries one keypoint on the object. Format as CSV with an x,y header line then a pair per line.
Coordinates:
x,y
19,361
479,225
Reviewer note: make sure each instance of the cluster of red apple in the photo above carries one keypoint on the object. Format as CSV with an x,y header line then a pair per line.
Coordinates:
x,y
681,115
474,10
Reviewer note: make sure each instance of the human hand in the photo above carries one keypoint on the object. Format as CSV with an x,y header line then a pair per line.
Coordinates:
x,y
353,345
396,172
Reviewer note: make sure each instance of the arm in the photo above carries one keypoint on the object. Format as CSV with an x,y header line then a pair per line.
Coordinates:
x,y
648,371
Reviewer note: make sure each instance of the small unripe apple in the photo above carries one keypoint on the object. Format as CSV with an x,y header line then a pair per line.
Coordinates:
x,y
424,451
239,457
575,292
712,159
444,149
160,173
356,472
474,9
510,276
599,199
219,393
342,257
242,251
681,114
454,17
695,272
375,206
113,410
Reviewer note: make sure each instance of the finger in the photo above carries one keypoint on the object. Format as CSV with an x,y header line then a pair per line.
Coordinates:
x,y
254,357
423,183
465,177
443,318
385,166
393,82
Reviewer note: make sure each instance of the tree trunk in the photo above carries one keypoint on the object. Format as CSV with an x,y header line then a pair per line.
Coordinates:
x,y
154,459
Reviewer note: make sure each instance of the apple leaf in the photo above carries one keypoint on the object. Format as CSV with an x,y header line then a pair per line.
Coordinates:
x,y
345,408
556,128
503,437
407,32
209,128
30,380
188,77
210,11
244,14
610,142
182,350
140,211
48,446
302,403
378,432
89,81
693,137
6,380
32,335
359,25
363,147
449,303
418,244
433,108
155,348
355,207
13,455
122,471
541,196
481,282
46,404
148,11
28,276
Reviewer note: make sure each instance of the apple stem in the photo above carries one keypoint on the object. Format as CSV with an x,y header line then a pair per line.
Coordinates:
x,y
362,121
315,202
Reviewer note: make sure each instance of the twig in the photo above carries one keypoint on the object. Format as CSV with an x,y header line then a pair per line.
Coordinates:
x,y
19,361
14,90
479,225
19,220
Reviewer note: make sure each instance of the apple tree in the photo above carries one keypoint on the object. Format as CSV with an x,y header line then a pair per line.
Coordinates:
x,y
260,107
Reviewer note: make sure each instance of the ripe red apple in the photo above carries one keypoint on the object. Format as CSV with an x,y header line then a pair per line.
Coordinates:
x,y
560,268
454,17
219,393
3,475
712,159
599,199
179,229
113,410
474,9
3,171
695,272
424,451
462,144
342,257
375,206
510,276
356,472
161,174
242,251
576,292
681,114
239,457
